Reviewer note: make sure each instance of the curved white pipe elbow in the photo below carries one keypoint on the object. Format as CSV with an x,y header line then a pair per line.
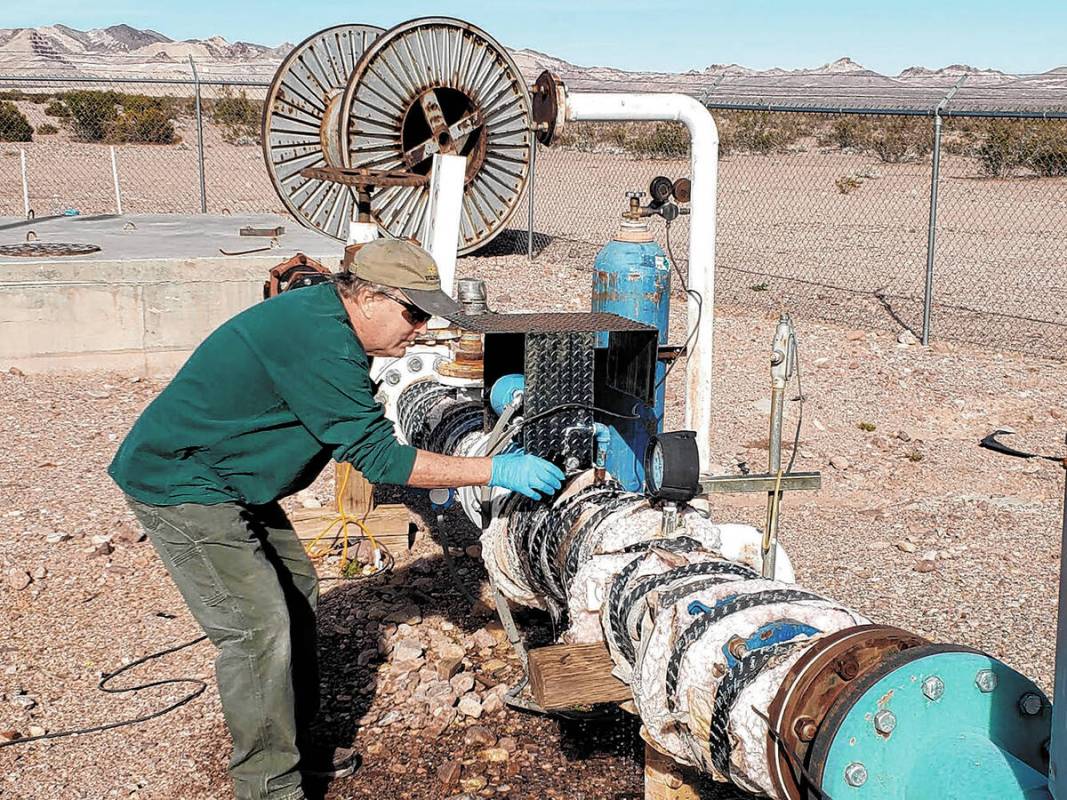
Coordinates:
x,y
704,169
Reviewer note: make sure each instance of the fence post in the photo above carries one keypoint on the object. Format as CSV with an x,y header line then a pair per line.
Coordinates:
x,y
26,186
115,180
199,138
931,233
530,199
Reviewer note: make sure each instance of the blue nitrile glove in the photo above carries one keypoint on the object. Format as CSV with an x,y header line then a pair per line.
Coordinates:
x,y
526,474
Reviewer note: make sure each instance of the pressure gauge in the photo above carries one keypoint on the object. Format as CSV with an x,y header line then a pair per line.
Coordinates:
x,y
672,466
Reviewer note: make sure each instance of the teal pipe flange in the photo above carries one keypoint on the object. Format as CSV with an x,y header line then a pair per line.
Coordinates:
x,y
938,722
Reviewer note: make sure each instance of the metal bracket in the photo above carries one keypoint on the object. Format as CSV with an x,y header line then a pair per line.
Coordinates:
x,y
249,230
761,483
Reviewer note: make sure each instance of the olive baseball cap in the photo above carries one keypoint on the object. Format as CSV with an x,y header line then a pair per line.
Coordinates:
x,y
404,265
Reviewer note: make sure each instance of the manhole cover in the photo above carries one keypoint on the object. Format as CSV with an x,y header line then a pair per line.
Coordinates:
x,y
46,249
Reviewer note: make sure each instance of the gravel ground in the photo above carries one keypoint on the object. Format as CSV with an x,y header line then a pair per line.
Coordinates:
x,y
912,493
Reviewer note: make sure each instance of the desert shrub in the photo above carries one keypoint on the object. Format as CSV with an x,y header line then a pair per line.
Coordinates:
x,y
238,115
19,94
14,127
1045,149
664,140
142,125
999,152
847,184
47,129
92,113
116,117
763,131
754,133
900,139
57,108
846,131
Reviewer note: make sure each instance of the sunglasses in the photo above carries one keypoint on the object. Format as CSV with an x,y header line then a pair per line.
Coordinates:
x,y
415,314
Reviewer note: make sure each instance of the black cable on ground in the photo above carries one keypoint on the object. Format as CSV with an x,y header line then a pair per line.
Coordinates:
x,y
108,677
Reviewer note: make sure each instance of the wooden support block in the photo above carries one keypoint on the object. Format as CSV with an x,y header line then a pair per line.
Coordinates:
x,y
568,675
666,779
358,497
390,524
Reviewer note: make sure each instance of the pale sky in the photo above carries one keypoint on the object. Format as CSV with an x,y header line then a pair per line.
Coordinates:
x,y
668,36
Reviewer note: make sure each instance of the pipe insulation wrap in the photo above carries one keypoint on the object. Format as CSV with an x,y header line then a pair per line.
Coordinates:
x,y
710,649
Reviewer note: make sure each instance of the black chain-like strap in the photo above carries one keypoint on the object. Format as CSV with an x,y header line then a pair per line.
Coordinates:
x,y
642,586
535,544
740,675
686,585
550,545
676,544
618,586
571,559
672,596
534,519
705,621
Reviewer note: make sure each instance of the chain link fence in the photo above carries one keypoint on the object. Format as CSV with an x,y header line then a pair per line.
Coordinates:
x,y
139,145
825,214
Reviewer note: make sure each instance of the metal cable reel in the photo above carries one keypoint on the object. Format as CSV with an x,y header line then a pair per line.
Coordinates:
x,y
439,85
300,120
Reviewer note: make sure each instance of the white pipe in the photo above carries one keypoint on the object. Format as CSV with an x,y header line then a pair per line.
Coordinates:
x,y
25,185
704,170
440,230
115,179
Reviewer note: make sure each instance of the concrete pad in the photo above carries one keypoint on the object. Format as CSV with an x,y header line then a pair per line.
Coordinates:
x,y
144,301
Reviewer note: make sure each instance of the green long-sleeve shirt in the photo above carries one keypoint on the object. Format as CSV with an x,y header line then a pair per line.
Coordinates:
x,y
260,408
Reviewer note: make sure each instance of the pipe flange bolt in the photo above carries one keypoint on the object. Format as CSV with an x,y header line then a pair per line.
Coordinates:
x,y
986,680
855,774
885,721
1030,704
933,688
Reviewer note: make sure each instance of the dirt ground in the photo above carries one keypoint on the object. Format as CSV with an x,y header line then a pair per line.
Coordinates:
x,y
893,428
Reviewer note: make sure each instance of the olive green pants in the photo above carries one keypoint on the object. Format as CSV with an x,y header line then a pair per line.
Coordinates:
x,y
248,582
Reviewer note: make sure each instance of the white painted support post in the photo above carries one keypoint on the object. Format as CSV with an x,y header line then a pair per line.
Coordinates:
x,y
115,179
25,185
704,166
440,231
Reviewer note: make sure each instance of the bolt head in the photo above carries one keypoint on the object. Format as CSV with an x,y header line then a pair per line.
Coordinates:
x,y
885,721
986,680
415,364
933,688
392,377
855,774
1030,704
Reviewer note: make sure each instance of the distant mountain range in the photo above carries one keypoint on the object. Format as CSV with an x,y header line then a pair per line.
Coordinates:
x,y
124,50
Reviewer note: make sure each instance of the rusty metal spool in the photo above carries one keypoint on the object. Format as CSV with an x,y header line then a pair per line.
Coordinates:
x,y
439,85
824,677
300,124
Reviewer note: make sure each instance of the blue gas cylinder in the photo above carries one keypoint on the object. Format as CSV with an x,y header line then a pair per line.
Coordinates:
x,y
632,278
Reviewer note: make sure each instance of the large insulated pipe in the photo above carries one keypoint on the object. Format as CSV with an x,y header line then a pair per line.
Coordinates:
x,y
764,683
778,689
704,169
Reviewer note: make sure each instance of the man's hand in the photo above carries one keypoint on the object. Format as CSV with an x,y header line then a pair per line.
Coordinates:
x,y
526,474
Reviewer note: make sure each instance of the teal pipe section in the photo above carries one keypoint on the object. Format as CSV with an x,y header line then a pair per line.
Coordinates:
x,y
951,725
633,279
503,392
